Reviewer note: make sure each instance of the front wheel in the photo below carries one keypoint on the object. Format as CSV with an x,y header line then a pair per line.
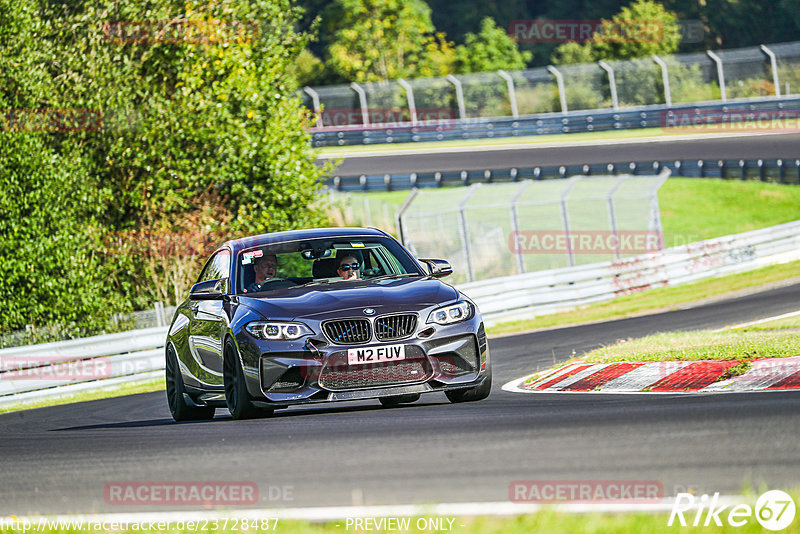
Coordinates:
x,y
472,394
178,407
236,396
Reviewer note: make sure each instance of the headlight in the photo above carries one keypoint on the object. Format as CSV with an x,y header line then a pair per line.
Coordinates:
x,y
277,330
453,313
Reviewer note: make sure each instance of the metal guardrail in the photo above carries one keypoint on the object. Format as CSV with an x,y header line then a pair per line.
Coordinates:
x,y
126,356
97,362
528,295
785,171
652,116
158,316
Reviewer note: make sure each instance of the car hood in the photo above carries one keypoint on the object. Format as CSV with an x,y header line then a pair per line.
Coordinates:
x,y
338,299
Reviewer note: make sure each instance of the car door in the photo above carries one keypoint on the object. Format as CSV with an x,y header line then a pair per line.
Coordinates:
x,y
208,323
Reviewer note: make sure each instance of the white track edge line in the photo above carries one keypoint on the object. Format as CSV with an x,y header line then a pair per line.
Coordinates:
x,y
760,321
332,513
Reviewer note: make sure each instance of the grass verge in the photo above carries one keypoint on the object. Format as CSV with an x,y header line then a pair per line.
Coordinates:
x,y
660,299
692,209
155,384
700,345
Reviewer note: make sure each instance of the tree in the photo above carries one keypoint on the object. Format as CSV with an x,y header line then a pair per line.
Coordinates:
x,y
375,40
491,49
572,53
641,30
201,109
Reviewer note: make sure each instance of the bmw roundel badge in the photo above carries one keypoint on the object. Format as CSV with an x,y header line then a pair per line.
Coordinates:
x,y
369,311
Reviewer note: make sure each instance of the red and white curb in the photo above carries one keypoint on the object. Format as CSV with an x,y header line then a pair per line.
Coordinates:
x,y
639,377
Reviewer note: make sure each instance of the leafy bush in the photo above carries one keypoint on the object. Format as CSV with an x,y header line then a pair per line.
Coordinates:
x,y
196,138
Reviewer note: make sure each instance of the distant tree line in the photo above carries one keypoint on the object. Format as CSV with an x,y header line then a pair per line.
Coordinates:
x,y
361,40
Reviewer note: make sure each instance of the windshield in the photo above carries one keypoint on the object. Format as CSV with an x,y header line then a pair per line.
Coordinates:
x,y
285,265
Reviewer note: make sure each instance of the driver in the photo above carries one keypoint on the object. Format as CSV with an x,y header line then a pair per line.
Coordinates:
x,y
266,269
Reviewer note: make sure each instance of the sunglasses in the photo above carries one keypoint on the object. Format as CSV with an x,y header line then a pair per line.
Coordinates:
x,y
346,267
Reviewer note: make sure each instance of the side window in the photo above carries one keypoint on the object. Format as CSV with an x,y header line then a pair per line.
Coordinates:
x,y
218,267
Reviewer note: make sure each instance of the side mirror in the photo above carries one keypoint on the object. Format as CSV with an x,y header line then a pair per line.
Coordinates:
x,y
438,268
209,290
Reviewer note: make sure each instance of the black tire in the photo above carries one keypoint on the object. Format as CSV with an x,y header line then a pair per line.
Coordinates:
x,y
178,407
236,395
394,400
472,394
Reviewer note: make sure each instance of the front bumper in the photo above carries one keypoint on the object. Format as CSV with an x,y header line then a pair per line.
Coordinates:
x,y
316,370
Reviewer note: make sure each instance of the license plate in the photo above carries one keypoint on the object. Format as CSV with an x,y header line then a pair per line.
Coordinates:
x,y
386,353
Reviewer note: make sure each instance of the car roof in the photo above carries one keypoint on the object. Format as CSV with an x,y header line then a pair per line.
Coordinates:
x,y
291,235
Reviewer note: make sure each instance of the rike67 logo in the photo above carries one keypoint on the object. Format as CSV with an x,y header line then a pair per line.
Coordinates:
x,y
774,510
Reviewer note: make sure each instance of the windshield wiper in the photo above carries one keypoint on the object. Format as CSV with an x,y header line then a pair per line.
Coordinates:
x,y
323,281
393,276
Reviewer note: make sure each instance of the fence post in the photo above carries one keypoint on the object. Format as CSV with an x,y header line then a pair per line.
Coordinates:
x,y
773,62
565,217
720,74
612,214
655,211
462,110
367,214
512,93
412,106
665,80
400,212
362,100
515,221
562,93
315,102
160,318
462,217
385,211
612,83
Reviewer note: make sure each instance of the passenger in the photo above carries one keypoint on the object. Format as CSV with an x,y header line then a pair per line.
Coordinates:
x,y
349,268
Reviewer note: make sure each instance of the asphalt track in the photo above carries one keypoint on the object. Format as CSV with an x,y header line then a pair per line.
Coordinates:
x,y
59,459
711,148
